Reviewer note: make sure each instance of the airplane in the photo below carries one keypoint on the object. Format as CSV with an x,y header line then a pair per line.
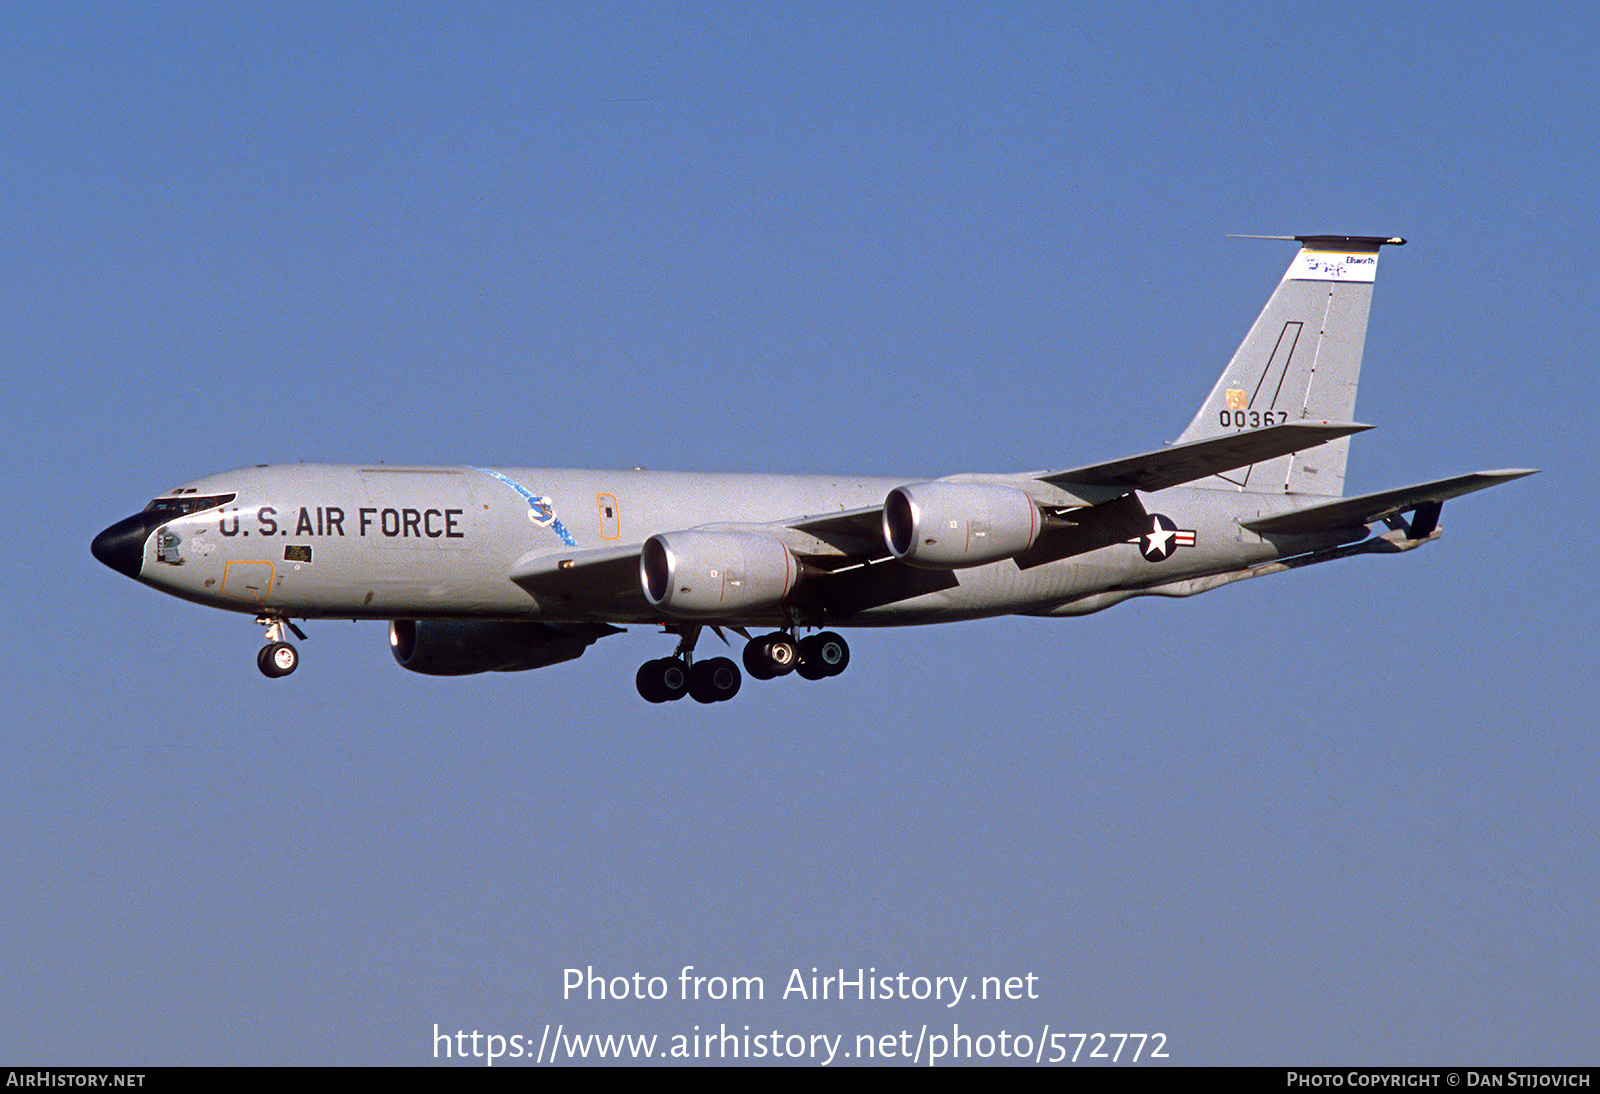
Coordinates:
x,y
482,569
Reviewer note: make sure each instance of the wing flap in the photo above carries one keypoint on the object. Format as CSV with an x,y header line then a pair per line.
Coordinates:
x,y
1371,508
1180,463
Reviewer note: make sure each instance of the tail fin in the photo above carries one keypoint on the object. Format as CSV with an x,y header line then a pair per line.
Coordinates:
x,y
1301,360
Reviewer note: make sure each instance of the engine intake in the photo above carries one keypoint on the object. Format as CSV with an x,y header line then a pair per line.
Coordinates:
x,y
950,525
715,574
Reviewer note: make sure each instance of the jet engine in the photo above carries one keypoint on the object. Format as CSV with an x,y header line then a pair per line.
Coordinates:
x,y
949,525
715,574
449,647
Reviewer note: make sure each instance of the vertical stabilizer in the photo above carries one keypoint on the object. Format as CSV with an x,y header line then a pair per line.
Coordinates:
x,y
1301,360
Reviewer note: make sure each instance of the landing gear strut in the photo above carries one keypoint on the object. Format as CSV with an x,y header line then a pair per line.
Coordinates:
x,y
277,657
766,657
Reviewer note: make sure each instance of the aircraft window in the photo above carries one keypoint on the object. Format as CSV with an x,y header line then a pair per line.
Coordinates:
x,y
180,507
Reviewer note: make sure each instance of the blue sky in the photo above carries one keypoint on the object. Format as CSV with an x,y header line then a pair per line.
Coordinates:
x,y
1345,815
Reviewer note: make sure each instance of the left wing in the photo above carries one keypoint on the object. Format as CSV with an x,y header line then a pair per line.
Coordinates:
x,y
607,578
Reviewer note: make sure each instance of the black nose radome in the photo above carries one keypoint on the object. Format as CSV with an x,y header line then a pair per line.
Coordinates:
x,y
122,545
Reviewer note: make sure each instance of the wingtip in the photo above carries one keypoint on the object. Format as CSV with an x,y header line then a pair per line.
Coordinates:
x,y
1363,243
1324,424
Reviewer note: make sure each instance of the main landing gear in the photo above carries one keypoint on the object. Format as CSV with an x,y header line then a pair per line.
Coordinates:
x,y
277,657
778,654
765,657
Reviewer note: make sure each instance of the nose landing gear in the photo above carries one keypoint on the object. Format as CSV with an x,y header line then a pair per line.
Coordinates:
x,y
278,658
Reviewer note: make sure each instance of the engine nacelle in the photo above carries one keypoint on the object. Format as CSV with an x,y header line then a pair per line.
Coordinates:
x,y
949,525
704,575
451,647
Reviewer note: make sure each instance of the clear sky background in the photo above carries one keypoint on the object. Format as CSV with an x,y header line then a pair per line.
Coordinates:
x,y
1344,815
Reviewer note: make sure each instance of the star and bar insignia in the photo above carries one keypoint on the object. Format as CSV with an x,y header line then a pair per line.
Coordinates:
x,y
1163,538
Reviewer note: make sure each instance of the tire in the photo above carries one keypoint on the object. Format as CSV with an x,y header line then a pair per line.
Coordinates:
x,y
823,655
662,681
833,652
714,681
770,656
674,677
277,659
755,660
783,653
809,668
648,681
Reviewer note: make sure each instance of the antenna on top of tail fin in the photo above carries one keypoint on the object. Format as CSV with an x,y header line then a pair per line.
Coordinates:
x,y
1301,360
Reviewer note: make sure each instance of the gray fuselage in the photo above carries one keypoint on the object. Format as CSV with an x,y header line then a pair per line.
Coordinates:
x,y
353,542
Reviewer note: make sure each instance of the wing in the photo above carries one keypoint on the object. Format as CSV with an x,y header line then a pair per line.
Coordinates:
x,y
605,581
1371,508
1180,463
829,540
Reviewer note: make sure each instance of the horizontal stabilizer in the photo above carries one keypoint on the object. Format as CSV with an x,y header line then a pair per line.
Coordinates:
x,y
1371,508
1180,463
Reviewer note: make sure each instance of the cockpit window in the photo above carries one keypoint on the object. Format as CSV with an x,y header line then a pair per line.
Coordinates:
x,y
181,507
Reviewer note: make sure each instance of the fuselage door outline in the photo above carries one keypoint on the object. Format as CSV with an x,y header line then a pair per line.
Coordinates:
x,y
610,516
246,580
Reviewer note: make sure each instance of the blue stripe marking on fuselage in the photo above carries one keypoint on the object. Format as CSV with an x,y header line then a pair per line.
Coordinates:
x,y
542,508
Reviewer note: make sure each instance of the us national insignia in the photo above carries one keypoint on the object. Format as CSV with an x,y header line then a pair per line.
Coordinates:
x,y
1163,538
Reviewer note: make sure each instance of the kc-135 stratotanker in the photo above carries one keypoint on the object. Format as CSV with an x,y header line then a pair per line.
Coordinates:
x,y
503,569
